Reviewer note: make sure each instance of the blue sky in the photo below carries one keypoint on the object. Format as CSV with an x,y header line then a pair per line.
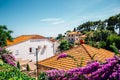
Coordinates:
x,y
51,17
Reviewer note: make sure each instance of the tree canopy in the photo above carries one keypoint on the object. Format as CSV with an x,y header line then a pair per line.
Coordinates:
x,y
112,23
64,45
102,33
5,35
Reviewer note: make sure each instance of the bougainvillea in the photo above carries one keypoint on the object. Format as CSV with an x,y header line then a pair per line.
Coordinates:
x,y
110,70
94,70
62,55
9,58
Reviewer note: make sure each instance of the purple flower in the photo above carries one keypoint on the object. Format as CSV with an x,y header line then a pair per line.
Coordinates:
x,y
93,71
9,58
65,78
62,55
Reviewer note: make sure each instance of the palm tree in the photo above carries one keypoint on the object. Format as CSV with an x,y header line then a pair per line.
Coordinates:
x,y
5,35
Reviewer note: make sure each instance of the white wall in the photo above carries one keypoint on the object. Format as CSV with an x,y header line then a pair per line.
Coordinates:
x,y
23,49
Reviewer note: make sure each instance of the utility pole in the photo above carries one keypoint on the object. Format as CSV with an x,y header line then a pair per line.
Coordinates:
x,y
37,62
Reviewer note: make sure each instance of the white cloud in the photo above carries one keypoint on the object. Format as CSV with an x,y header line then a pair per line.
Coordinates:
x,y
50,19
53,20
58,22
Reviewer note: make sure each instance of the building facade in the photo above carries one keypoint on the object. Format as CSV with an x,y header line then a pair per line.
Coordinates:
x,y
74,36
24,47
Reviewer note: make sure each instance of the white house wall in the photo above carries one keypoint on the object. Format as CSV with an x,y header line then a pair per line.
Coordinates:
x,y
23,49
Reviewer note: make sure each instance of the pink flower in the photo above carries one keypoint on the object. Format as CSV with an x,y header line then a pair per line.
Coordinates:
x,y
62,55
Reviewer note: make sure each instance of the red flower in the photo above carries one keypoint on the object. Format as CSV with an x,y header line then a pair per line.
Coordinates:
x,y
82,41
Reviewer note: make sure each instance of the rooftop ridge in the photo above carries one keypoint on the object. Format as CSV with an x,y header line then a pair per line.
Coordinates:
x,y
23,38
86,51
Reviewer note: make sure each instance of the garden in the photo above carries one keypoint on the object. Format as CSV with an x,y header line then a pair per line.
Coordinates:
x,y
9,69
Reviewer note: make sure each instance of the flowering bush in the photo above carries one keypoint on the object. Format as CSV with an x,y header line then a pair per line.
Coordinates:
x,y
9,58
110,70
62,55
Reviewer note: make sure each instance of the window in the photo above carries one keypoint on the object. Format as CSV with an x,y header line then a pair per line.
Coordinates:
x,y
32,50
68,35
17,52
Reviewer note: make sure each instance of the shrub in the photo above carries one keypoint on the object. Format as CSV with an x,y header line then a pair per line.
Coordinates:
x,y
8,72
42,76
9,58
64,45
18,65
1,62
113,39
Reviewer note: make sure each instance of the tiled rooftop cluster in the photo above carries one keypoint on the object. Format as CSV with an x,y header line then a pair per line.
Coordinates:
x,y
83,51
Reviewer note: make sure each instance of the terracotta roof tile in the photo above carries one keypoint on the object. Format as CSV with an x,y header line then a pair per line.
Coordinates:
x,y
24,38
78,53
74,32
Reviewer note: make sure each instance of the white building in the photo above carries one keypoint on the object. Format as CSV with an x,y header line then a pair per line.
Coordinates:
x,y
75,36
24,47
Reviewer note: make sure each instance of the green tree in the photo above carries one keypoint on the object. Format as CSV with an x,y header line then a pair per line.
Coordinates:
x,y
98,38
91,25
98,35
60,37
118,23
5,35
113,39
100,25
114,23
64,45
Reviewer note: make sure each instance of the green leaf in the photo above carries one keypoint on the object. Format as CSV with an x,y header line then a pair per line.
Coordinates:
x,y
116,51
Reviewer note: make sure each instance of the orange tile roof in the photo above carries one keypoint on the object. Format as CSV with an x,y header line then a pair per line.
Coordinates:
x,y
23,38
74,32
78,53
